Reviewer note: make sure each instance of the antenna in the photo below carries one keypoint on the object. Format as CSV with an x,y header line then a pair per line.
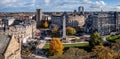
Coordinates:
x,y
101,10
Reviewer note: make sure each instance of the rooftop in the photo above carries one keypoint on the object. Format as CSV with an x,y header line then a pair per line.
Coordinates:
x,y
4,41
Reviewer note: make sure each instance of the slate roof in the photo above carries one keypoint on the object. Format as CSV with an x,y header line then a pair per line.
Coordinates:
x,y
4,42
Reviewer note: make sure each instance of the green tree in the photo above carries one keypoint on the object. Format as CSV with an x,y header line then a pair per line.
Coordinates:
x,y
95,39
56,47
103,52
70,30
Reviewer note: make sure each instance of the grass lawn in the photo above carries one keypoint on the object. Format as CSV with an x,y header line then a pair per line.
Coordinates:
x,y
113,38
75,45
84,46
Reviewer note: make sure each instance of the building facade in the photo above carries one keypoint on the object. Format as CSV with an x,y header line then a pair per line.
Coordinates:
x,y
21,31
76,21
57,19
73,20
10,47
104,23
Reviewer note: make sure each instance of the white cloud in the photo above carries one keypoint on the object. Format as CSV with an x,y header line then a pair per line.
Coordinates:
x,y
17,3
117,7
54,5
47,2
98,4
86,1
8,1
11,3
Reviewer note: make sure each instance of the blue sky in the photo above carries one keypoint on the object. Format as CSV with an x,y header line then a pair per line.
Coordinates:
x,y
58,5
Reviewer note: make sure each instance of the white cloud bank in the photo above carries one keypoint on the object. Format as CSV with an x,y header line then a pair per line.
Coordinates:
x,y
52,5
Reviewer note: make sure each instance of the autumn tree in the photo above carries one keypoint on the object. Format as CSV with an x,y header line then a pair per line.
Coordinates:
x,y
56,47
73,53
45,24
95,39
103,52
26,52
55,29
70,30
55,32
116,48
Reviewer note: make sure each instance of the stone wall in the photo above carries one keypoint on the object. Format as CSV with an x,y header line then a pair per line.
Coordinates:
x,y
13,50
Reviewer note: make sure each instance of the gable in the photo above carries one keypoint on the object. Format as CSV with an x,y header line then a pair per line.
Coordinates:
x,y
12,46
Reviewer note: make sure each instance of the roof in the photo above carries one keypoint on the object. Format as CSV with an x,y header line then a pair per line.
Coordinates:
x,y
4,41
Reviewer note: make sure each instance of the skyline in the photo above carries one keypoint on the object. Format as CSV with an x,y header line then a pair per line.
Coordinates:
x,y
58,5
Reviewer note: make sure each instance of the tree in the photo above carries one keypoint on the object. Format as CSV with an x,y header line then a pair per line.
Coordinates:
x,y
116,48
56,47
73,53
45,24
55,29
95,39
103,52
26,52
70,30
55,32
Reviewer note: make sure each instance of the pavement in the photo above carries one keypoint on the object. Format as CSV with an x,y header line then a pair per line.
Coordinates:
x,y
77,42
33,57
41,44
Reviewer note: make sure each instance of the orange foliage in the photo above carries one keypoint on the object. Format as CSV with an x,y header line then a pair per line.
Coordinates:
x,y
70,30
55,29
45,24
56,47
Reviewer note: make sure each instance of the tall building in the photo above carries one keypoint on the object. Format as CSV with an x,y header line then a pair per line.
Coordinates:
x,y
81,10
38,17
38,14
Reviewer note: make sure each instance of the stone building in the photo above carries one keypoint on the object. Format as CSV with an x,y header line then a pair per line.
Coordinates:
x,y
104,22
9,47
8,21
21,31
76,21
57,19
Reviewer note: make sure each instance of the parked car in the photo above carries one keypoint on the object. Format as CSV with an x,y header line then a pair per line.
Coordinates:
x,y
79,34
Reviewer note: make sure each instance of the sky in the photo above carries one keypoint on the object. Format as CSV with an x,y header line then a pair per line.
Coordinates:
x,y
58,5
